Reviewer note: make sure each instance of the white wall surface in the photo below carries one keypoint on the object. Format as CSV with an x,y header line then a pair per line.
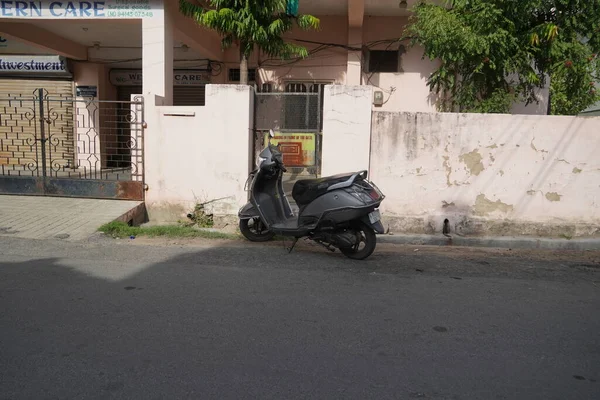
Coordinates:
x,y
346,128
200,154
517,170
407,90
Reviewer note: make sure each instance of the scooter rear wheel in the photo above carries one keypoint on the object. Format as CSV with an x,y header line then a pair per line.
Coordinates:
x,y
254,230
366,245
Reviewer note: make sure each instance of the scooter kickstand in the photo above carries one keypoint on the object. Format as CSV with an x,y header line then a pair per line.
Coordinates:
x,y
293,245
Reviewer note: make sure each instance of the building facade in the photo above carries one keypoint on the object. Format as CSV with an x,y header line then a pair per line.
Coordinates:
x,y
180,149
108,43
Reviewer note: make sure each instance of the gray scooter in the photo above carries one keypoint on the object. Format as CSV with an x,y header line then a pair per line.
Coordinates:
x,y
338,212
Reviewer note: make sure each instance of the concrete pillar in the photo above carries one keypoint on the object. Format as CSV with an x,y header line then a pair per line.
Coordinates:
x,y
356,13
346,129
354,68
157,54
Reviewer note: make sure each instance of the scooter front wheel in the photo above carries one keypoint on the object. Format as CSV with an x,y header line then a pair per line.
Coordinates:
x,y
255,230
366,245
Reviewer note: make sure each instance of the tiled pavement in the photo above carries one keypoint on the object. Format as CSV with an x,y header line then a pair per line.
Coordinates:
x,y
39,217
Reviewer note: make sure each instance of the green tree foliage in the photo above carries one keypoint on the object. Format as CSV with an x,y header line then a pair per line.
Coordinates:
x,y
494,52
250,24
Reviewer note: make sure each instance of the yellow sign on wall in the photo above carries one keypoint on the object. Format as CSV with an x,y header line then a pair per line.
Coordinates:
x,y
298,149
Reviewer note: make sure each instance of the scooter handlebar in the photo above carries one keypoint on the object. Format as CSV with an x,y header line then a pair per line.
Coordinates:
x,y
279,165
276,157
282,166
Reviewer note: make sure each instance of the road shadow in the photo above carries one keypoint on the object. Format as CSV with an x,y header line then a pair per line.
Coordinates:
x,y
235,321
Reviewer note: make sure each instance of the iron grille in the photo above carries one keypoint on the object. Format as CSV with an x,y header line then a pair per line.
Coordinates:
x,y
288,112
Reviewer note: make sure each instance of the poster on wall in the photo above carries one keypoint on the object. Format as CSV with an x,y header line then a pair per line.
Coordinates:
x,y
298,149
46,9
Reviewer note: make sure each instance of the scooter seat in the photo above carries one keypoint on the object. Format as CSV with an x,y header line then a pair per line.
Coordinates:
x,y
306,190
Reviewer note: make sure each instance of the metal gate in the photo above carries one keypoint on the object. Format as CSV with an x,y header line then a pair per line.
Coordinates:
x,y
71,147
297,118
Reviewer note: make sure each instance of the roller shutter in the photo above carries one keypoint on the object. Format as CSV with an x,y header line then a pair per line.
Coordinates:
x,y
26,87
21,130
189,95
124,93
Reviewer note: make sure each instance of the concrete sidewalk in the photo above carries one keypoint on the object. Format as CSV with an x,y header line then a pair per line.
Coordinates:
x,y
36,217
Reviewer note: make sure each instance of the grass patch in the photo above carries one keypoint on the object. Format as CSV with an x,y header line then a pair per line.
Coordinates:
x,y
119,229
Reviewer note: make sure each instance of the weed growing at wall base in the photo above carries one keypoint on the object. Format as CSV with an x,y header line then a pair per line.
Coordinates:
x,y
200,218
117,229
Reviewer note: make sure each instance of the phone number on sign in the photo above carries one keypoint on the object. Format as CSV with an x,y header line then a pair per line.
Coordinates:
x,y
130,14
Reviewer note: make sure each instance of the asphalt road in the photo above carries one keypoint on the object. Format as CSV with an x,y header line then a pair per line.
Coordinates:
x,y
219,320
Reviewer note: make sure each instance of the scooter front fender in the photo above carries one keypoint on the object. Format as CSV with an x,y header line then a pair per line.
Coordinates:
x,y
249,211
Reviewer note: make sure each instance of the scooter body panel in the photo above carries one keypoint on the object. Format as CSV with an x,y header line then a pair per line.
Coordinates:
x,y
249,211
333,208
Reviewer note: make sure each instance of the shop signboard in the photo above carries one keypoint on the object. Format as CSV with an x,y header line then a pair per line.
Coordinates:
x,y
53,9
34,66
133,77
298,149
87,91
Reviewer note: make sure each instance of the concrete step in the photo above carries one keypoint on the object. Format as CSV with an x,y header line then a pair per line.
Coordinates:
x,y
40,217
